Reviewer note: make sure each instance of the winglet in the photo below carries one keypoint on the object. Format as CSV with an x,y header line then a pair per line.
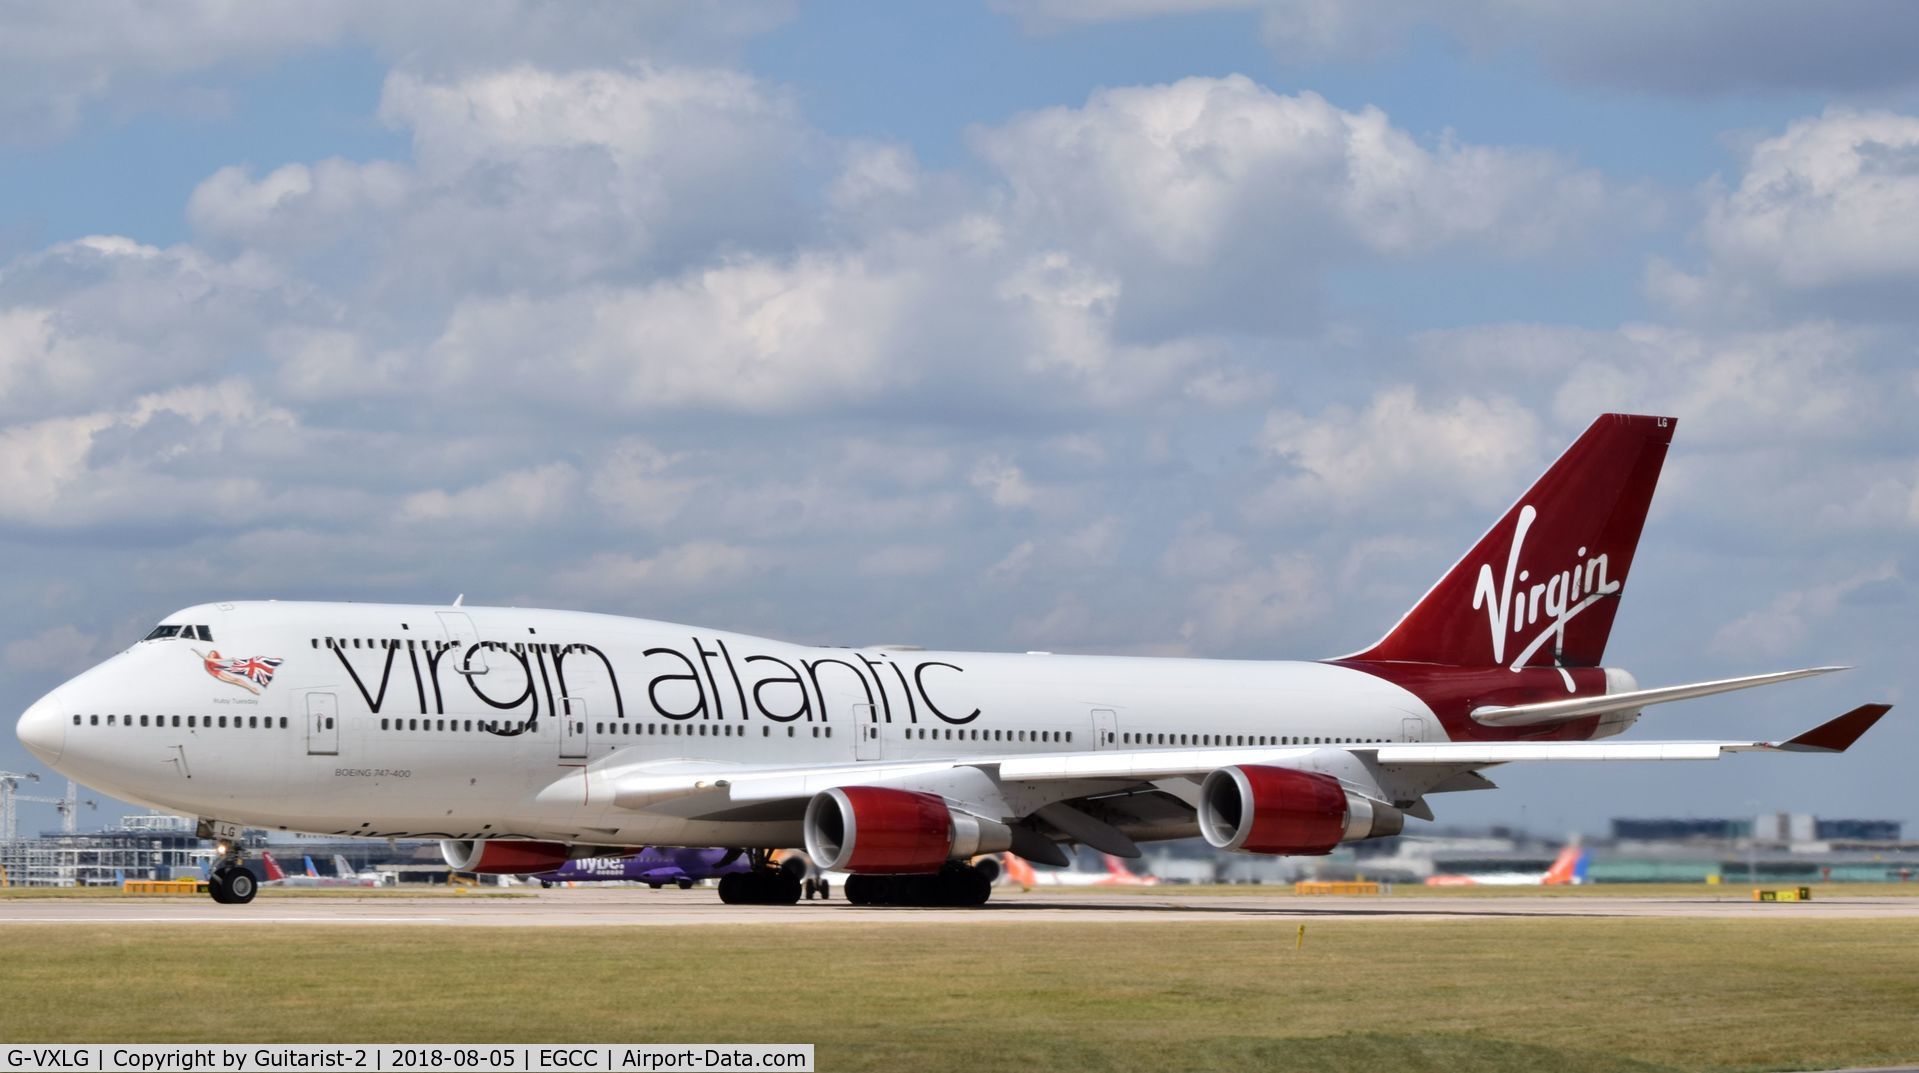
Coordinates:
x,y
1837,735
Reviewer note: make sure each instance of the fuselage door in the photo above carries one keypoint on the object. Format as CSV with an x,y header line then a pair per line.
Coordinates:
x,y
573,728
468,656
866,732
323,724
1105,728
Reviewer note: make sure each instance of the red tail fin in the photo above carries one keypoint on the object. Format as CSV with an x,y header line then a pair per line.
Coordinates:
x,y
1566,868
273,867
1541,588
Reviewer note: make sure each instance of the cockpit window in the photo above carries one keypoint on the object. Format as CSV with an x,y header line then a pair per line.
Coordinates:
x,y
189,633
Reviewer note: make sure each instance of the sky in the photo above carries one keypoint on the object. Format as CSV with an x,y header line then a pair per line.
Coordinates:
x,y
1185,327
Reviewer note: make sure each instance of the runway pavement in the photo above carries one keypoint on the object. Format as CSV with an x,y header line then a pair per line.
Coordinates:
x,y
629,906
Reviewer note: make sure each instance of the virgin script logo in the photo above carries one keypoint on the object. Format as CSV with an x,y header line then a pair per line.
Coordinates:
x,y
1512,606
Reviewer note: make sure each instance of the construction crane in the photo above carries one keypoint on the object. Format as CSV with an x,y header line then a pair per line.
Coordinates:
x,y
11,797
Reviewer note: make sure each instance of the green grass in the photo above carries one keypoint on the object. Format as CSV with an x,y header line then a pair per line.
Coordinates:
x,y
1561,994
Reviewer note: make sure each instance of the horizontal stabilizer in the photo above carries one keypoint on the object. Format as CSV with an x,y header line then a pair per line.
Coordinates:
x,y
1560,711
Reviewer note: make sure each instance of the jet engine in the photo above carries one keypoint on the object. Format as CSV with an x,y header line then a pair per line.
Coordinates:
x,y
1257,809
880,831
504,858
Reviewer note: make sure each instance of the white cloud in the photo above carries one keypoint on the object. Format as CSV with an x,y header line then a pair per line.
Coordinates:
x,y
1003,483
903,560
684,567
163,457
1707,46
59,648
639,485
57,61
1399,452
1806,379
1784,625
1827,209
530,496
1206,169
98,320
753,335
1267,603
1201,551
529,179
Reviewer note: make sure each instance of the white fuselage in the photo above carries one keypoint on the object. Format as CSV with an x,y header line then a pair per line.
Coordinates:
x,y
378,720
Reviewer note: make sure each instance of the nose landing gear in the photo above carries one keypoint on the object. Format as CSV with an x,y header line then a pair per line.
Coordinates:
x,y
233,884
230,882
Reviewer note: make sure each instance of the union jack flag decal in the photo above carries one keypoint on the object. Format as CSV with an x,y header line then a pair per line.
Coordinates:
x,y
252,674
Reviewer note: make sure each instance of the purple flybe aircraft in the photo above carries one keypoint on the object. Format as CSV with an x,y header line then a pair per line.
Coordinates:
x,y
655,866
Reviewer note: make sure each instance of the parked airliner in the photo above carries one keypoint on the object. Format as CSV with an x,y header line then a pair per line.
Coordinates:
x,y
652,866
525,738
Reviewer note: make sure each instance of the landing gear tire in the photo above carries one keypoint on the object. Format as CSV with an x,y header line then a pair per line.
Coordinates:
x,y
763,887
683,884
233,884
241,885
954,886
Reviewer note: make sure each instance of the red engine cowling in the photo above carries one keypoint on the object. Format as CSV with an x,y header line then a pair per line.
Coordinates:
x,y
504,858
877,830
1256,809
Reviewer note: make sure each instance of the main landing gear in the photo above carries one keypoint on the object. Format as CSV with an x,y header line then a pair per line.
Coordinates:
x,y
955,885
764,885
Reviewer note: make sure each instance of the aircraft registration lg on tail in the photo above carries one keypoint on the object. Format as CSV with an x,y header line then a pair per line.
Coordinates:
x,y
527,738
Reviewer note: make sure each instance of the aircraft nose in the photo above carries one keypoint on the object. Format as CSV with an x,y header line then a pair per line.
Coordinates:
x,y
43,729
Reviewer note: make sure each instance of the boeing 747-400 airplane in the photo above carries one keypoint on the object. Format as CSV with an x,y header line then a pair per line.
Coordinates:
x,y
526,738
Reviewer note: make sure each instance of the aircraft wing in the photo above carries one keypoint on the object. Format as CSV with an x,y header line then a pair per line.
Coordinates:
x,y
1001,784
